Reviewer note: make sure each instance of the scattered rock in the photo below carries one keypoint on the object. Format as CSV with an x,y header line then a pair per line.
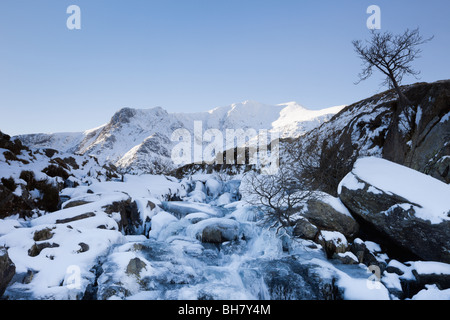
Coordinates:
x,y
36,249
75,203
364,256
43,235
217,234
76,218
28,277
11,204
429,272
83,247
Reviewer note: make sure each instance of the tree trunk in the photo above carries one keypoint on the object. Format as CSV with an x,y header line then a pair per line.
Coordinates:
x,y
403,100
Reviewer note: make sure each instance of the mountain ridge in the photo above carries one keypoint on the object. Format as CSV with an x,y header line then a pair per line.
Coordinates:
x,y
128,140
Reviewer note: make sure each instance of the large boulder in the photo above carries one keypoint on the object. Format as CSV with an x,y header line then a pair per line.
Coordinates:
x,y
328,213
7,270
411,209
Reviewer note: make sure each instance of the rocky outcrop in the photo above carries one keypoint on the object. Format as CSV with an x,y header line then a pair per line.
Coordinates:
x,y
32,179
417,137
410,223
7,270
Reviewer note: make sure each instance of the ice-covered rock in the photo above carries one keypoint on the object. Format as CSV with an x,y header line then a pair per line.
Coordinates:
x,y
182,208
215,230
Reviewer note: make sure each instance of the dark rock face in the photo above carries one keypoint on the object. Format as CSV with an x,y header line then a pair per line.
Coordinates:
x,y
401,226
428,138
123,116
14,146
7,270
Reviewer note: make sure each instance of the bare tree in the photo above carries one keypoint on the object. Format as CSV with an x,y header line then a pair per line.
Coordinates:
x,y
392,55
278,196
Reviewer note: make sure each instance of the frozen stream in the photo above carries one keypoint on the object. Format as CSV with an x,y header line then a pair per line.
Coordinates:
x,y
216,249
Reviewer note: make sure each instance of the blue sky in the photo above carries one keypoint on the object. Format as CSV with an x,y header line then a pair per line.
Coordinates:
x,y
193,55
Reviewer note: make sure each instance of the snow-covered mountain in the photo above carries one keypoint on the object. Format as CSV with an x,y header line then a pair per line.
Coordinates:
x,y
140,139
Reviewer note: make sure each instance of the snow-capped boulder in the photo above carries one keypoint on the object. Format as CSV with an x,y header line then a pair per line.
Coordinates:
x,y
7,270
328,213
410,208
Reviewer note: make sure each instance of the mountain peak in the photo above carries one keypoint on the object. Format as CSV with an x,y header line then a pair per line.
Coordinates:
x,y
123,115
